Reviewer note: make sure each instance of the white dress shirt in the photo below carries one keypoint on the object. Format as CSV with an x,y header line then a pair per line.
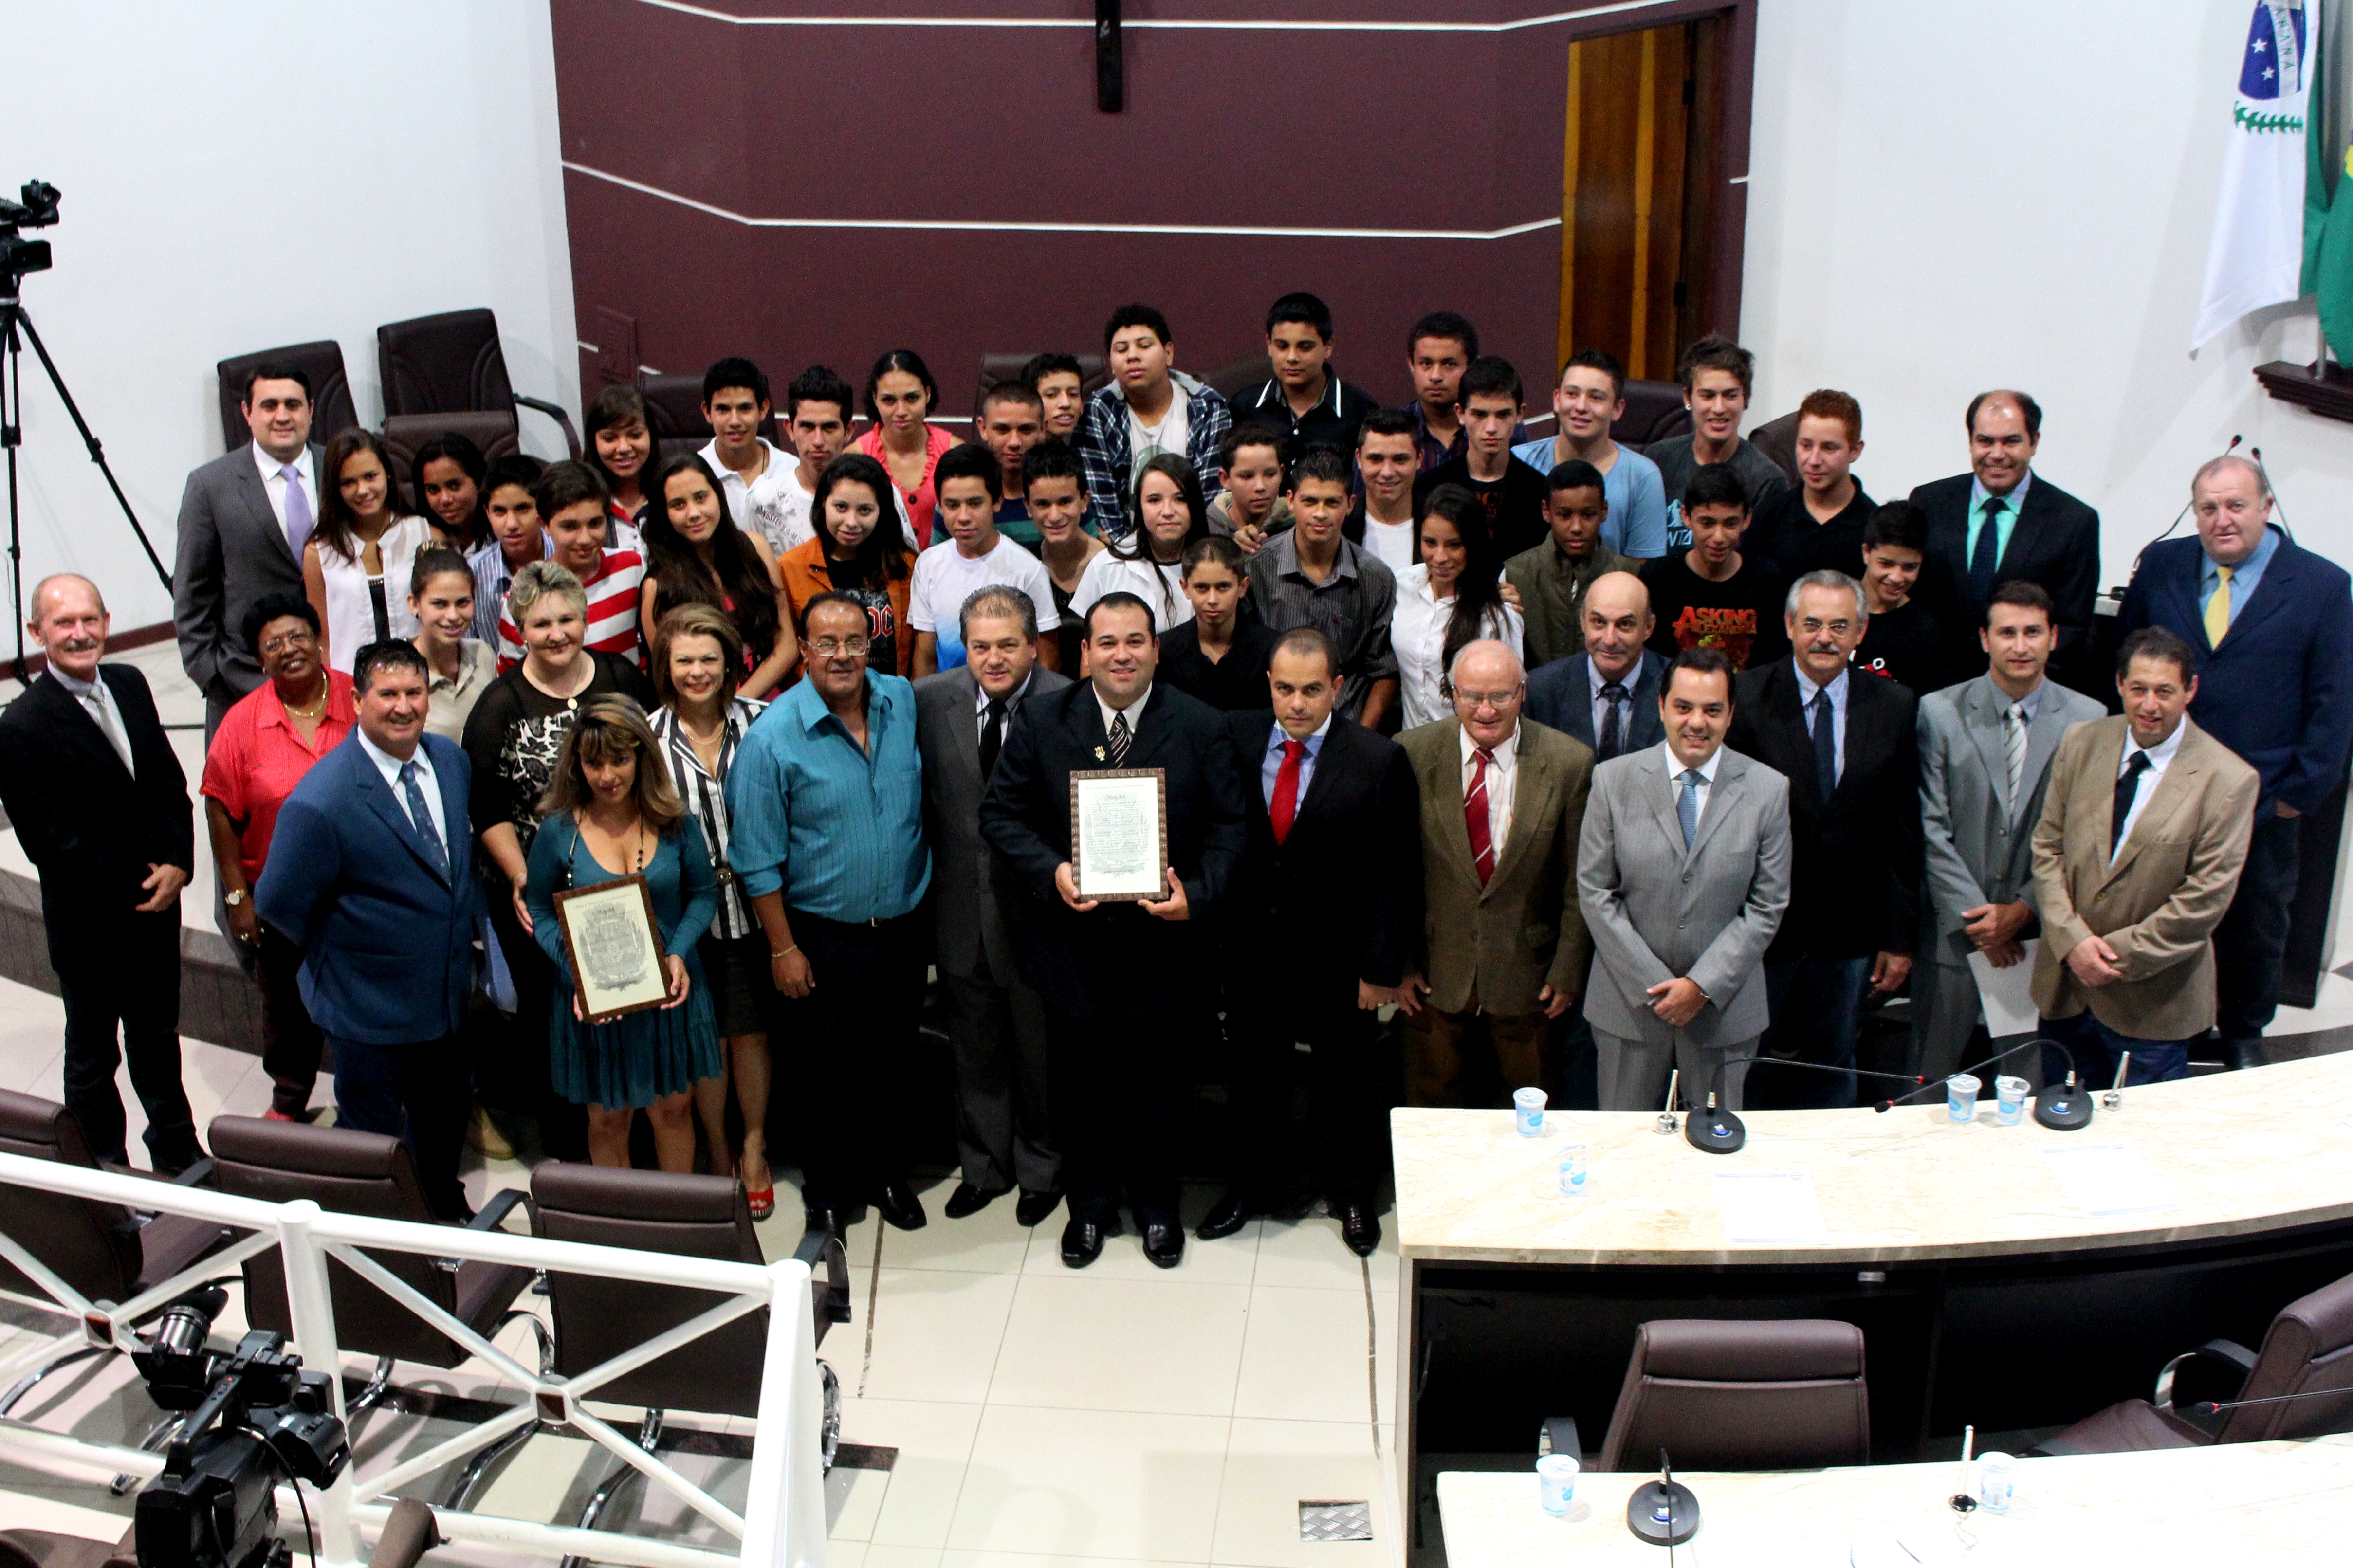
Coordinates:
x,y
273,484
389,766
1134,711
97,701
1417,638
981,699
1503,781
2160,757
1676,769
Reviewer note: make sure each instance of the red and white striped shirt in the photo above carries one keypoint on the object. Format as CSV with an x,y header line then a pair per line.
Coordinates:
x,y
613,594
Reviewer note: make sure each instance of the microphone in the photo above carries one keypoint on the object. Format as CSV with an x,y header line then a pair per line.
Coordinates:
x,y
1715,1129
2191,502
2215,1407
2062,1110
1663,1512
2278,509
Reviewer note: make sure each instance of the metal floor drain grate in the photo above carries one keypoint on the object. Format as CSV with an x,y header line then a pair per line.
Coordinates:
x,y
1335,1521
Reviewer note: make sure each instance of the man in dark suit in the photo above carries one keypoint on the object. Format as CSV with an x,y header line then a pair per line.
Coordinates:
x,y
1999,523
1607,696
371,873
1848,744
1117,976
101,808
997,1020
1332,874
2267,621
243,520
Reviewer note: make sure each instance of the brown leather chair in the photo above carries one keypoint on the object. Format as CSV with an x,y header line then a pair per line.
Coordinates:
x,y
330,390
1654,411
996,370
1721,1394
2307,1350
1242,377
365,1174
452,363
405,434
48,1549
1778,440
99,1248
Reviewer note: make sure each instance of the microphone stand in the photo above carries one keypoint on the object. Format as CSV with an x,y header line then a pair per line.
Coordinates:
x,y
2062,1110
1716,1130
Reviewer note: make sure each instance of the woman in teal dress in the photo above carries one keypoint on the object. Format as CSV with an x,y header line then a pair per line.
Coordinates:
x,y
610,811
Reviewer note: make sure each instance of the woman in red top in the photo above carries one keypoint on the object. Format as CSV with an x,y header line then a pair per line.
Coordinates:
x,y
899,394
263,747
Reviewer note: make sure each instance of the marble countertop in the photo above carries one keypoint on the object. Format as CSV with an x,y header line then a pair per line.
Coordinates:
x,y
2171,1506
2234,1153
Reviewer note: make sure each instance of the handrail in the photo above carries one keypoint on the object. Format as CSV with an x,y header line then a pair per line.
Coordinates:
x,y
783,1524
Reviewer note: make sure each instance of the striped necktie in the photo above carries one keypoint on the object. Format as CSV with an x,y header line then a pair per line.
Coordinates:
x,y
2013,745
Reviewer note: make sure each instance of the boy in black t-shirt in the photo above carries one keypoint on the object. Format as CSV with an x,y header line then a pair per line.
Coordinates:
x,y
1512,493
1713,595
1903,641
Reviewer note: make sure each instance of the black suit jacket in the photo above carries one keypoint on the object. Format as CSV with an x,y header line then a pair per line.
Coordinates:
x,y
2054,544
1341,896
1854,874
92,827
1078,961
1560,697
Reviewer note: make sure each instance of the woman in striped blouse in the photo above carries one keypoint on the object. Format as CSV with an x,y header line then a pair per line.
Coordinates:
x,y
698,657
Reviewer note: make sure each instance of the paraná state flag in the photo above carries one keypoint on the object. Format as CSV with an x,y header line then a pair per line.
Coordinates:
x,y
2257,255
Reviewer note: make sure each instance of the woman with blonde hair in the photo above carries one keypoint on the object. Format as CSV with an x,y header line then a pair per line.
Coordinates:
x,y
609,812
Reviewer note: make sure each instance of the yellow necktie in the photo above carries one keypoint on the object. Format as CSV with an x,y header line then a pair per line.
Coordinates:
x,y
2218,608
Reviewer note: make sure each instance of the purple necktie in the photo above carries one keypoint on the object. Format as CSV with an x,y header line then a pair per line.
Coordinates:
x,y
298,520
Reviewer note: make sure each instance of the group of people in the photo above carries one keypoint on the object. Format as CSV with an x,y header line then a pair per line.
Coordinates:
x,y
1583,764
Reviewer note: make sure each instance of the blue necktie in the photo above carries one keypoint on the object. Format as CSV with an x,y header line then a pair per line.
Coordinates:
x,y
421,814
1687,805
1825,744
1985,558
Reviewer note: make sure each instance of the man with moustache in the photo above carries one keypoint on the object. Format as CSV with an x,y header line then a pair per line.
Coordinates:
x,y
996,1021
1553,578
1116,976
1606,697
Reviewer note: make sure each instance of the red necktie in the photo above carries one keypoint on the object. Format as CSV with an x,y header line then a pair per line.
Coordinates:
x,y
1285,803
1474,815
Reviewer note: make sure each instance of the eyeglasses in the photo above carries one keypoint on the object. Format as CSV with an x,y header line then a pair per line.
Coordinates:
x,y
1475,701
837,647
1837,628
286,640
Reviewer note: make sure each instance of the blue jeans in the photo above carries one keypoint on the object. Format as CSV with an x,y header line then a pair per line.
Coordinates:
x,y
1816,1006
2097,1049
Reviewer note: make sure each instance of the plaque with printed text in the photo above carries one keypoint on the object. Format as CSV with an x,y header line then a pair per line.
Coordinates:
x,y
615,946
1118,833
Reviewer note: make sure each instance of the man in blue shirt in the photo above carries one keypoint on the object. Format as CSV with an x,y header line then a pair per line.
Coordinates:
x,y
826,828
1589,398
2268,622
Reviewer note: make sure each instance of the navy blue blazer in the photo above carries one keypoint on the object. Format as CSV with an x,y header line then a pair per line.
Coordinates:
x,y
1560,697
388,942
2279,691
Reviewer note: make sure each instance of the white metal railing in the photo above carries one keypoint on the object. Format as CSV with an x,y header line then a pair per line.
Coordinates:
x,y
783,1522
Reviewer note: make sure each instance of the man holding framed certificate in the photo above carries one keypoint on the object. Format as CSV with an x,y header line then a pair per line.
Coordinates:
x,y
1117,802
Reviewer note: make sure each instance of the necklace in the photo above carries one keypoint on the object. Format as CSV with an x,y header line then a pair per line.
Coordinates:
x,y
310,713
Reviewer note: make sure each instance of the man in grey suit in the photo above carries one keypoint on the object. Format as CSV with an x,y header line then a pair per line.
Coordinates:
x,y
996,1022
1684,873
1607,696
1986,747
243,520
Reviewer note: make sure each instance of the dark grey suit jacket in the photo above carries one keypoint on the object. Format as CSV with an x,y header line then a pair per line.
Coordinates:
x,y
1560,697
232,553
969,923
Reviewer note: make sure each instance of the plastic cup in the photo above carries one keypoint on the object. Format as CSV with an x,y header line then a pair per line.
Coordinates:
x,y
2009,1101
1997,1482
1527,1111
1961,1096
1556,1482
1572,1170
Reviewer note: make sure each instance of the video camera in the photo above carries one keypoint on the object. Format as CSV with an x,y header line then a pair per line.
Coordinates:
x,y
37,207
251,1410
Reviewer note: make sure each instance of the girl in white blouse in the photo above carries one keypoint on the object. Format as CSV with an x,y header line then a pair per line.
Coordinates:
x,y
1453,595
357,565
1150,562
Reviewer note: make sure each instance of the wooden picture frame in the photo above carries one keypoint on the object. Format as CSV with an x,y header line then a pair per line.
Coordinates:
x,y
614,944
1112,798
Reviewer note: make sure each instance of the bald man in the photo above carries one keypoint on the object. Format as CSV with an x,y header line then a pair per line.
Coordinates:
x,y
100,803
1607,696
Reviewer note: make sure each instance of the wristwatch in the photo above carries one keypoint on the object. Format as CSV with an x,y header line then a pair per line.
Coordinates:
x,y
234,899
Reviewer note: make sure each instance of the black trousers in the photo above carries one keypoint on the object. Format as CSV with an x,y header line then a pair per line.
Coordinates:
x,y
1340,1073
126,973
1120,1093
2253,938
413,1092
290,1042
849,1043
513,1075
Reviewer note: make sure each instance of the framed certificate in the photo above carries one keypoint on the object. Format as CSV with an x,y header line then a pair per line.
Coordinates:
x,y
1119,833
615,947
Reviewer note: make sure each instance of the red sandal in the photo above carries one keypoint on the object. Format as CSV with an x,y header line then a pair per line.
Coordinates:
x,y
763,1201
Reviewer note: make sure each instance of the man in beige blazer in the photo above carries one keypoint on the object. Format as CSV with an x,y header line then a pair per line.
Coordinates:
x,y
2144,831
1504,949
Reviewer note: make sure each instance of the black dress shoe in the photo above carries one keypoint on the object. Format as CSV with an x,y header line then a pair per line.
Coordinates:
x,y
1082,1242
901,1206
1233,1212
815,1219
1165,1244
1359,1229
1034,1208
966,1201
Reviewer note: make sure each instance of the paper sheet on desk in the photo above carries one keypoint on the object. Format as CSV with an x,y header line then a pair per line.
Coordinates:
x,y
2004,992
1770,1205
2108,1179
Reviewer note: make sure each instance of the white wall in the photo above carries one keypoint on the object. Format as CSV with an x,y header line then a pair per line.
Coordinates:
x,y
239,176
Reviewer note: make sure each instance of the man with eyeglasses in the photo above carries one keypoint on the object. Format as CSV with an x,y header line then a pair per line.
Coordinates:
x,y
826,829
1504,949
1848,743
